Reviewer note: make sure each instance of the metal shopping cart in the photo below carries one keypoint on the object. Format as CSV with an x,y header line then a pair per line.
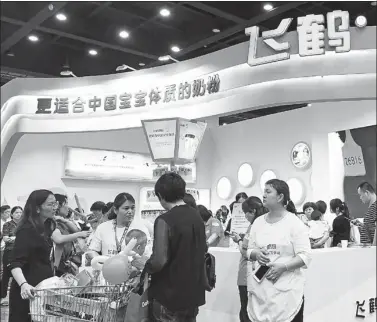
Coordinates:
x,y
93,303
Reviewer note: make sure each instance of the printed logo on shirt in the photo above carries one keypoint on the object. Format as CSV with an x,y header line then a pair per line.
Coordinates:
x,y
144,304
215,224
271,248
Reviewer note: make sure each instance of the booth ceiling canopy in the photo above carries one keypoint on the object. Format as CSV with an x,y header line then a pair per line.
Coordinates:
x,y
42,39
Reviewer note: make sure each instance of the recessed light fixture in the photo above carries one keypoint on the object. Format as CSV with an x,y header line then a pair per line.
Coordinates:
x,y
373,3
10,54
93,52
165,12
268,7
141,64
124,34
163,58
175,49
215,30
61,17
33,38
361,21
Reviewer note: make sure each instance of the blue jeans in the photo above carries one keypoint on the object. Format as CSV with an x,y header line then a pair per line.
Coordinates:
x,y
160,313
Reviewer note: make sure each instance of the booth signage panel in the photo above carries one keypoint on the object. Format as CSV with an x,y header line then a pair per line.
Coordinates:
x,y
239,222
161,137
190,137
312,37
84,163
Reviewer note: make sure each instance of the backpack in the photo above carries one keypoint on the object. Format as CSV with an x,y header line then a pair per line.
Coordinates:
x,y
209,272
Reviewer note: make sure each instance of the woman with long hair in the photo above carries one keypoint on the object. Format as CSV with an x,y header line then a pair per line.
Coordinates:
x,y
31,260
9,235
280,241
253,209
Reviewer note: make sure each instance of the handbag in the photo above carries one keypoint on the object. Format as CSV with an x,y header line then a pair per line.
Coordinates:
x,y
138,303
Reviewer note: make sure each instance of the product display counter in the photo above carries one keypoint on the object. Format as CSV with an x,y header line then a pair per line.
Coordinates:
x,y
336,280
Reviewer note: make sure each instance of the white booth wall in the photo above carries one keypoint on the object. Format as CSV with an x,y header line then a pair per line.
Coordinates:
x,y
266,143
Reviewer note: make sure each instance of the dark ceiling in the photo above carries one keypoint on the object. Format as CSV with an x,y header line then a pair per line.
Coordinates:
x,y
96,25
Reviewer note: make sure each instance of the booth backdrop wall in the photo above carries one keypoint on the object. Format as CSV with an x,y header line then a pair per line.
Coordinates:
x,y
37,163
266,143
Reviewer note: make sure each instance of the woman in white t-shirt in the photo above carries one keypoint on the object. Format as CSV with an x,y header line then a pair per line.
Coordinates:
x,y
109,237
279,240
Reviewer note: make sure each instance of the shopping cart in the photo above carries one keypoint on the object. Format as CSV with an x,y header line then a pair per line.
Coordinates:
x,y
93,303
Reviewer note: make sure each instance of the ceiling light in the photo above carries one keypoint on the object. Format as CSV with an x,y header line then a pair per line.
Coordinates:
x,y
163,58
10,54
33,38
61,17
93,52
216,30
374,3
268,7
141,64
361,21
165,12
124,34
175,49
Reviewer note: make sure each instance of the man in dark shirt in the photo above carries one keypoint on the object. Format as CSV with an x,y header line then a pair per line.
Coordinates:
x,y
177,263
368,227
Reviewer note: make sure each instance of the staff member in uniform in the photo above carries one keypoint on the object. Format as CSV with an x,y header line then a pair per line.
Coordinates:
x,y
214,229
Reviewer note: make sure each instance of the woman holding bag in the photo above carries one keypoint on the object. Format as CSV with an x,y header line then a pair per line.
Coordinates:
x,y
32,256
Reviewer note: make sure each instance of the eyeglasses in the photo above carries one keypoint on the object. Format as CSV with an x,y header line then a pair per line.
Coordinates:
x,y
52,204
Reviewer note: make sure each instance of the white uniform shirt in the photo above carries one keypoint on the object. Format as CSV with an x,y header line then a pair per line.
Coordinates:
x,y
103,239
284,240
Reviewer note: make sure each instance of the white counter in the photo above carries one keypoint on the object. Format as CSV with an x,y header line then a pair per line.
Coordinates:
x,y
336,279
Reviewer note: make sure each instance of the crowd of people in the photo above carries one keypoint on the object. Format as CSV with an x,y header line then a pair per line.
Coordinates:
x,y
47,238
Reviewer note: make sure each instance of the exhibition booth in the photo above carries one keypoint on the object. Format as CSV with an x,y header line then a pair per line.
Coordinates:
x,y
84,136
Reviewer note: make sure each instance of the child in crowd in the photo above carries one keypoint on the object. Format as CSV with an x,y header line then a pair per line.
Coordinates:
x,y
317,230
140,256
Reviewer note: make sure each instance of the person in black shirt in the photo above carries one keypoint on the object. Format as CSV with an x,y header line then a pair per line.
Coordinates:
x,y
341,225
9,235
177,263
31,259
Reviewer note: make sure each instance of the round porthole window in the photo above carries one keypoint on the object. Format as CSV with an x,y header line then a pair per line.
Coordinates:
x,y
224,188
266,175
245,175
297,191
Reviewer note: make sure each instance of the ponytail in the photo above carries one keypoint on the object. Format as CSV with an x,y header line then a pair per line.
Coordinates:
x,y
291,207
111,214
344,209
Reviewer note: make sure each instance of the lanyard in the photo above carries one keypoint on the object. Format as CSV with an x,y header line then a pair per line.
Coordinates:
x,y
119,243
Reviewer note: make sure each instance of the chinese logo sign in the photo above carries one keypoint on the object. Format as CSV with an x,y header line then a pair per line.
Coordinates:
x,y
311,37
361,310
126,100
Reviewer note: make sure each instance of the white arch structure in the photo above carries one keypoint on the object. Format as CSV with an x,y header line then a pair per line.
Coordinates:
x,y
329,77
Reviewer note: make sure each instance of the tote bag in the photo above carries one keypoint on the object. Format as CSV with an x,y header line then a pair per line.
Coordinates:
x,y
138,304
353,158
